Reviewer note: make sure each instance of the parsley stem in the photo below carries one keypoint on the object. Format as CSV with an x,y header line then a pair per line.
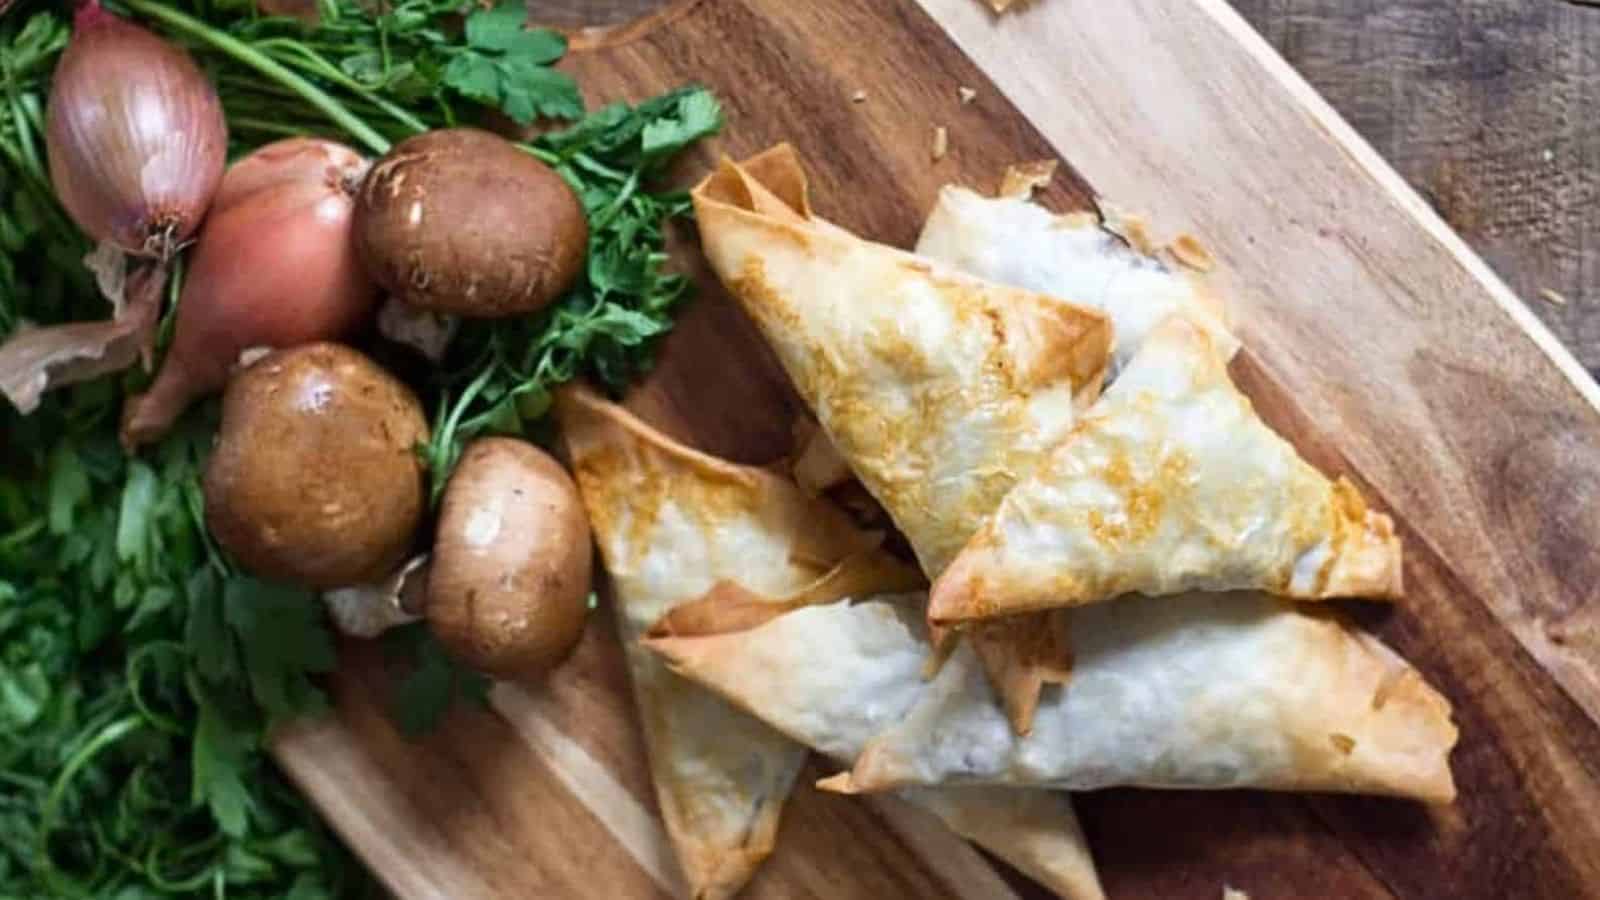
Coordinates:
x,y
22,535
109,735
153,865
23,782
137,662
19,118
263,126
43,193
605,216
20,153
267,66
313,62
544,156
194,504
595,167
446,448
383,44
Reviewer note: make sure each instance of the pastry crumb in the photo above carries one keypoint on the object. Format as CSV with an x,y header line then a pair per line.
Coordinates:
x,y
1022,179
966,94
1555,298
1229,892
1130,227
1001,6
858,97
1187,249
941,142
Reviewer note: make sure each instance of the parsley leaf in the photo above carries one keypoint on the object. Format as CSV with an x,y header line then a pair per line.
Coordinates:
x,y
506,64
697,114
220,758
436,681
503,29
474,76
138,496
216,658
529,91
69,488
283,637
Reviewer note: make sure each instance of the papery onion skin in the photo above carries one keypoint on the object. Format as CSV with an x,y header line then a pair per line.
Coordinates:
x,y
275,266
35,360
136,137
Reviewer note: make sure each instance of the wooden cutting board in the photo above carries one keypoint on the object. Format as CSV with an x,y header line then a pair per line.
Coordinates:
x,y
1375,339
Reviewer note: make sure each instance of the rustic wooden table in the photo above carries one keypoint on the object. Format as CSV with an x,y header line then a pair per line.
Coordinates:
x,y
1490,108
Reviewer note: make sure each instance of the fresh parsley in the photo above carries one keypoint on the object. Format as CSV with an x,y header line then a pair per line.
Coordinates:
x,y
506,65
139,671
434,684
134,679
499,375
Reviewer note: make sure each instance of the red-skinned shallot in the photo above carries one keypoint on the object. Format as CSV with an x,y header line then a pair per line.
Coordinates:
x,y
275,266
135,136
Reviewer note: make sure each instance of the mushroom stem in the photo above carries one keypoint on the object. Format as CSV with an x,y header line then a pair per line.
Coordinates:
x,y
368,610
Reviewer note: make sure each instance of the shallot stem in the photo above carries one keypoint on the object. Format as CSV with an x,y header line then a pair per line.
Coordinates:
x,y
266,65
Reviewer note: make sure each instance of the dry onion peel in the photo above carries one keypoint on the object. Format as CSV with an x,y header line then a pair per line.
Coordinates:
x,y
37,359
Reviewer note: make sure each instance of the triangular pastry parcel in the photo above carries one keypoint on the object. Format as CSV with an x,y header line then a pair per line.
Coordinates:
x,y
834,676
672,524
938,389
1011,240
1171,483
1201,691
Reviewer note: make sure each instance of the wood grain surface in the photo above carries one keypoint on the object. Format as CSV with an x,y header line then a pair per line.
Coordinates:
x,y
1484,106
1375,340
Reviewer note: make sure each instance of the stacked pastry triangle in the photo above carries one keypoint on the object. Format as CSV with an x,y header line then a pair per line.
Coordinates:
x,y
1122,571
695,545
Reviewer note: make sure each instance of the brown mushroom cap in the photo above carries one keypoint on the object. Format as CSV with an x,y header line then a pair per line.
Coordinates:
x,y
315,479
509,581
460,221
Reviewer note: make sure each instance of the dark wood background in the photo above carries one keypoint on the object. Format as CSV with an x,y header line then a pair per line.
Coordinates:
x,y
1490,108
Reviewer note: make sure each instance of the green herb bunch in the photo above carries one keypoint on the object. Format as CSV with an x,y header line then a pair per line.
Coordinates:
x,y
139,670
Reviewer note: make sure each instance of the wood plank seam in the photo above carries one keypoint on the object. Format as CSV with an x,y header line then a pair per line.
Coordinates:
x,y
635,828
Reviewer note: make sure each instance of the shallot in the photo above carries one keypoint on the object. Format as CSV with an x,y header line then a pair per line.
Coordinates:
x,y
275,266
135,136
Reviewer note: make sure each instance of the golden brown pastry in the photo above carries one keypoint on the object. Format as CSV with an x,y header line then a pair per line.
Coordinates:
x,y
1171,483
